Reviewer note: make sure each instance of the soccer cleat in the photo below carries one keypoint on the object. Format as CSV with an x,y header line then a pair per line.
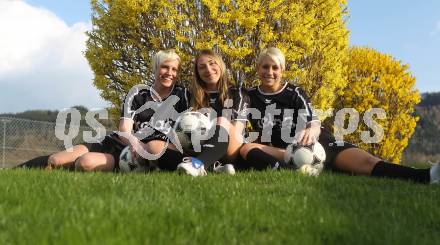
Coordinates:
x,y
434,173
227,168
191,166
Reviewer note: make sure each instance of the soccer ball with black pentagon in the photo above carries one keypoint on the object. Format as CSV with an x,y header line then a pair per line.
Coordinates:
x,y
312,155
128,164
192,124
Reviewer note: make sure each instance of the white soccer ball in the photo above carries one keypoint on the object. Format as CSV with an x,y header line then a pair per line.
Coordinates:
x,y
128,164
192,126
308,159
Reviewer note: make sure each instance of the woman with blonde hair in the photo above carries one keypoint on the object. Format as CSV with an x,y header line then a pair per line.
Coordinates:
x,y
212,88
274,92
104,156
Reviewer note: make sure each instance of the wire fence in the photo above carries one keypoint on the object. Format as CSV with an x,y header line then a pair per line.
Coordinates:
x,y
22,139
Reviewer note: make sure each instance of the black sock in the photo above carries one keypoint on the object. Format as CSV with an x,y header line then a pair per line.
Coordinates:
x,y
169,160
212,149
390,170
260,160
38,162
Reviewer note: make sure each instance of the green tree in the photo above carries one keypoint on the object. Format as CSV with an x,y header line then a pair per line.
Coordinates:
x,y
377,80
311,33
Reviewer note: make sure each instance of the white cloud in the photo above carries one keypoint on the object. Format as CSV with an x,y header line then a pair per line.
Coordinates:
x,y
41,60
436,29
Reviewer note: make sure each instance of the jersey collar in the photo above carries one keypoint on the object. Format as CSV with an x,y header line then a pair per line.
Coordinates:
x,y
274,93
155,95
212,92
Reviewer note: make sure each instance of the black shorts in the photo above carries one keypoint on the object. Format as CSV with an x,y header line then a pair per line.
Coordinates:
x,y
332,148
155,136
109,145
240,164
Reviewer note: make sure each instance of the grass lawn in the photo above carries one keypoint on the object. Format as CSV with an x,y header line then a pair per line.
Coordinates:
x,y
59,207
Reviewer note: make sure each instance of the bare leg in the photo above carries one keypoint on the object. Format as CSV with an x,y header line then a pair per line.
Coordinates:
x,y
157,146
170,158
95,161
356,161
278,153
235,131
65,158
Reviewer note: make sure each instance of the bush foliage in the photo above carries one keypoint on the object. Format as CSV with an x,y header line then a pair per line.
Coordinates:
x,y
311,33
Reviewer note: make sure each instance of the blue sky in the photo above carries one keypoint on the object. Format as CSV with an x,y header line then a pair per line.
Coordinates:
x,y
408,30
49,61
71,11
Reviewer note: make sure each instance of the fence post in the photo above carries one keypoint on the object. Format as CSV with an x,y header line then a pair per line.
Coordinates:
x,y
4,121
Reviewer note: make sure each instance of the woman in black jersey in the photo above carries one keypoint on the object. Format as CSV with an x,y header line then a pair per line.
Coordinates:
x,y
212,88
104,156
153,124
275,96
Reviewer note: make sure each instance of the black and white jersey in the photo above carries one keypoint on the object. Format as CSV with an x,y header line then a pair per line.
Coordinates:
x,y
141,105
237,100
290,105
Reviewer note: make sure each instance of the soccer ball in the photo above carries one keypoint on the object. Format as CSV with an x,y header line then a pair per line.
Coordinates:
x,y
308,159
192,126
128,164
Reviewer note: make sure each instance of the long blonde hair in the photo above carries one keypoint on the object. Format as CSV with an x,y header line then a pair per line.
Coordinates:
x,y
199,95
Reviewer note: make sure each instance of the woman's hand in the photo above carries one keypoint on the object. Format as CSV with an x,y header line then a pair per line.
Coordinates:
x,y
309,135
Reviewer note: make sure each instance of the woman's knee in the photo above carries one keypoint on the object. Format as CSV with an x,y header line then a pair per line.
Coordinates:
x,y
155,146
84,163
65,158
55,160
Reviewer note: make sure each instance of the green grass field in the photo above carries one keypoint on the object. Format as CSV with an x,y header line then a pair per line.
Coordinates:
x,y
59,207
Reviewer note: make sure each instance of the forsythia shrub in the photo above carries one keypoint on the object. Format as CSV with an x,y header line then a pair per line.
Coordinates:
x,y
311,33
377,80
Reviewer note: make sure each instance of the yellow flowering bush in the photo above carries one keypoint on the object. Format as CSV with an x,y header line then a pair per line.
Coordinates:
x,y
377,80
311,33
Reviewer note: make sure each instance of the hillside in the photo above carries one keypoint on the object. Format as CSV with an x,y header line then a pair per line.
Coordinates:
x,y
51,116
424,145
